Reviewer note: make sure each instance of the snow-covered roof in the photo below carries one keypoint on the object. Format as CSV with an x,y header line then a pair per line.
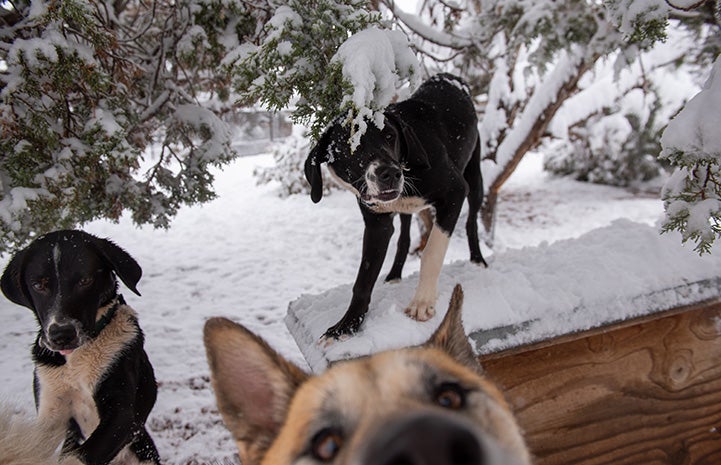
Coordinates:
x,y
619,272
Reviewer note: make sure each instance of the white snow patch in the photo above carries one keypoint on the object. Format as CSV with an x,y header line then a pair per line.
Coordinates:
x,y
695,130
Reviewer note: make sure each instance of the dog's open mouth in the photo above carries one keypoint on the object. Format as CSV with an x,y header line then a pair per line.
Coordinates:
x,y
383,197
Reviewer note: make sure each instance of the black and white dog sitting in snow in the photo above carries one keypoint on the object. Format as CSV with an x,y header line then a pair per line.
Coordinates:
x,y
427,155
92,375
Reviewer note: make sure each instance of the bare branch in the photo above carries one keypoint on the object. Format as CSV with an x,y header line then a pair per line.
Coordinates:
x,y
693,6
415,24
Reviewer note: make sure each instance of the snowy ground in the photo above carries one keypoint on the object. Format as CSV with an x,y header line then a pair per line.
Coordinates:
x,y
249,253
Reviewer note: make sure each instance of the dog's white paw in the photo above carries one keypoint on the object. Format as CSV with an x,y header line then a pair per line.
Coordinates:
x,y
421,310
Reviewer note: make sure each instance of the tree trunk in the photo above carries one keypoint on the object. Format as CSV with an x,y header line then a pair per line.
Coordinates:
x,y
530,142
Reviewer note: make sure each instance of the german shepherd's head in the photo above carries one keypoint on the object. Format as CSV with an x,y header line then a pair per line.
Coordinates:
x,y
426,405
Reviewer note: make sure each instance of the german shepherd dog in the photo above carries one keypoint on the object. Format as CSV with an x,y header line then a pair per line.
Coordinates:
x,y
426,405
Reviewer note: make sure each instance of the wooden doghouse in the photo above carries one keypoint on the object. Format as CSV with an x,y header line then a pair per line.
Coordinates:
x,y
612,354
639,392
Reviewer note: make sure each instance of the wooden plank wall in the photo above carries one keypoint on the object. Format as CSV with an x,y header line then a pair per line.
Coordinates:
x,y
645,394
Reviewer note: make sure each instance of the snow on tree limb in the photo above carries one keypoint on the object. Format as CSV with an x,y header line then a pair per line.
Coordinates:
x,y
291,64
692,143
431,34
546,96
376,63
85,90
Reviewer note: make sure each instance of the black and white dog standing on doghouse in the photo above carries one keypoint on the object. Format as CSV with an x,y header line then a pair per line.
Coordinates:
x,y
427,155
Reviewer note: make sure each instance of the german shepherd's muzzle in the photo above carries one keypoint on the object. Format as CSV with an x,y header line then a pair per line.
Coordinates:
x,y
427,405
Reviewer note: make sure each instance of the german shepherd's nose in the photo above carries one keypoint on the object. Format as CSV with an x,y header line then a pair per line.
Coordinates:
x,y
427,439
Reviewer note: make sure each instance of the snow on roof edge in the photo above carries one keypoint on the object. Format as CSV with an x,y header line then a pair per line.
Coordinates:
x,y
611,274
509,337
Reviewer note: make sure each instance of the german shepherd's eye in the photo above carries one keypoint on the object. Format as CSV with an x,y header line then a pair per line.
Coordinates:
x,y
86,281
40,285
451,396
326,444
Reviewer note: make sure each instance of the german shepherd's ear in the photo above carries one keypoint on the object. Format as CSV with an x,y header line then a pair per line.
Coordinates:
x,y
11,281
124,266
450,335
415,154
253,385
317,155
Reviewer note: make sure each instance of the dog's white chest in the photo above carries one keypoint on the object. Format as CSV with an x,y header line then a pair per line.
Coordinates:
x,y
84,409
408,205
67,392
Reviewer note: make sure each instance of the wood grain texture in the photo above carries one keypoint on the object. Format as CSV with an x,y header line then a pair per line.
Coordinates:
x,y
646,394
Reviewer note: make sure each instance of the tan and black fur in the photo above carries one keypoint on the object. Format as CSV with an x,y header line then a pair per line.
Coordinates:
x,y
426,405
67,395
93,379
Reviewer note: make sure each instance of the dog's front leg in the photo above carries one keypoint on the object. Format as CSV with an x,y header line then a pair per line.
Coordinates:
x,y
123,400
112,434
376,236
422,307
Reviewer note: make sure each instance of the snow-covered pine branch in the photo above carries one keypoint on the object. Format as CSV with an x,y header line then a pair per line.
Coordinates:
x,y
692,144
87,88
325,59
377,63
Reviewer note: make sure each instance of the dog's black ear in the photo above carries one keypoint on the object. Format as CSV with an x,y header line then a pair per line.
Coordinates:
x,y
124,266
253,385
450,335
415,153
12,284
317,155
